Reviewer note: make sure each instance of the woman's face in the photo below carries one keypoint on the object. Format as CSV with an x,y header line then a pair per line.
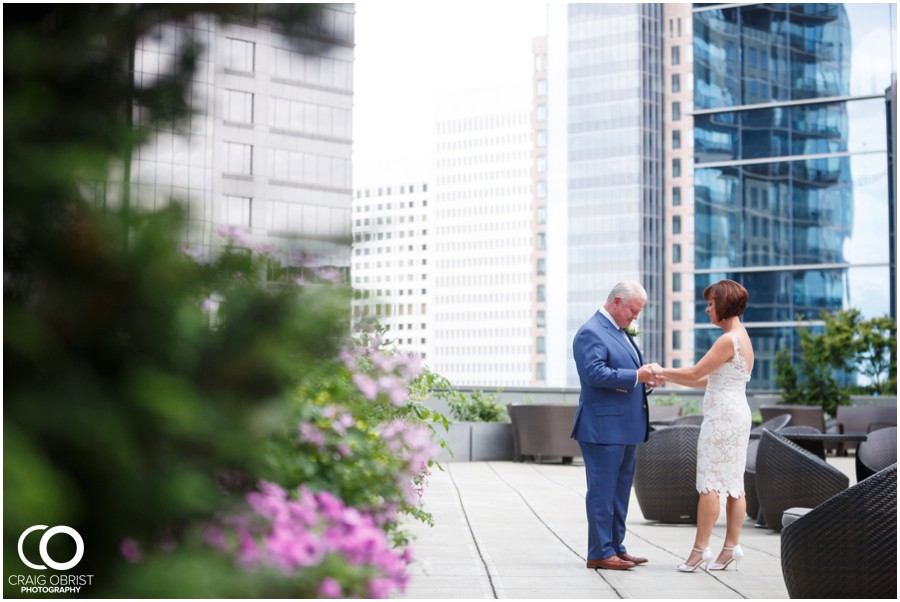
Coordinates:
x,y
711,310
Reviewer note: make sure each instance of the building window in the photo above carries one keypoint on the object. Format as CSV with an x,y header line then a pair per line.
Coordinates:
x,y
238,158
541,320
542,190
541,293
240,55
236,211
541,266
676,138
676,224
676,168
676,282
676,253
540,371
676,82
542,87
542,138
676,363
676,339
540,346
676,55
676,111
238,106
541,164
541,241
676,195
542,215
541,113
676,310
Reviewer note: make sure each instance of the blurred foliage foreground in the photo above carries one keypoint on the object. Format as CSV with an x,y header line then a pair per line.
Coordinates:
x,y
206,434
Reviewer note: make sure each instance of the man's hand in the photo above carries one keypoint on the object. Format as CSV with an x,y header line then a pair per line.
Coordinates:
x,y
647,375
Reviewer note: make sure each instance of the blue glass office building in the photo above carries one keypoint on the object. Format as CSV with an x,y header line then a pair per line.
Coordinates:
x,y
791,194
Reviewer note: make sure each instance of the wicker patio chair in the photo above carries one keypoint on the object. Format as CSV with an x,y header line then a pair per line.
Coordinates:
x,y
800,415
665,478
862,420
774,424
816,447
847,546
689,420
543,430
788,475
876,453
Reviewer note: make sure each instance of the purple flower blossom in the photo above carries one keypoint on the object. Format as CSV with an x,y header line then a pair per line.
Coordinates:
x,y
311,434
303,532
366,386
235,235
329,274
199,255
329,588
131,550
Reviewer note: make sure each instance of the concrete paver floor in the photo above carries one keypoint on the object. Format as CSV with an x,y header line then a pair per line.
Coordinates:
x,y
518,530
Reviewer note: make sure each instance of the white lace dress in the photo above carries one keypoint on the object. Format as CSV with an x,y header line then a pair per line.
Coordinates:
x,y
722,448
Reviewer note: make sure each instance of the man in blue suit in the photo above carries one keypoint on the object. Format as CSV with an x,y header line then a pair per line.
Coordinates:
x,y
611,420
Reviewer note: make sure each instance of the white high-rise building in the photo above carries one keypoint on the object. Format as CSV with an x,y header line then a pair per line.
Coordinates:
x,y
268,150
483,289
390,262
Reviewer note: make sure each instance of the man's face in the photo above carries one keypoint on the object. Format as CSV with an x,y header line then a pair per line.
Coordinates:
x,y
625,312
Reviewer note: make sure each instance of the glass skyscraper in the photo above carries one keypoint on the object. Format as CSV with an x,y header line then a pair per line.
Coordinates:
x,y
790,165
605,176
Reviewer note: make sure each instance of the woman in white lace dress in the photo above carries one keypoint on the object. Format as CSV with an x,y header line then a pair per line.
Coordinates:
x,y
722,448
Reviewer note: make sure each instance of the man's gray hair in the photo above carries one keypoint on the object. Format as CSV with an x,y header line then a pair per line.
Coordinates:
x,y
626,290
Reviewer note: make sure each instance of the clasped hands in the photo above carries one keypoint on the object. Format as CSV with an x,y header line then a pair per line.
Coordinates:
x,y
651,374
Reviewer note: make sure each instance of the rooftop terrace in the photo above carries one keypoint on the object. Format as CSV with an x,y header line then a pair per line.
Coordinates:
x,y
511,530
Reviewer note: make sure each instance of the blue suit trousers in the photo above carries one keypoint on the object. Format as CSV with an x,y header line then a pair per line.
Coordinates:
x,y
610,473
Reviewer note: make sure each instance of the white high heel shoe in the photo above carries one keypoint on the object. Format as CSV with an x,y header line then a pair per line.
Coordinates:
x,y
736,554
705,557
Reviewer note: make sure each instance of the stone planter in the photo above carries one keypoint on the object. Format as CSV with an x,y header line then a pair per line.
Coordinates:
x,y
478,442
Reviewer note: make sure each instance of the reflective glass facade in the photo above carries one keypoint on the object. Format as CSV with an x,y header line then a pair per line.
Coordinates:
x,y
614,168
790,178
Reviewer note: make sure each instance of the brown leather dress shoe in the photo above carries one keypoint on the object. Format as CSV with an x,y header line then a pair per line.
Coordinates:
x,y
634,559
613,563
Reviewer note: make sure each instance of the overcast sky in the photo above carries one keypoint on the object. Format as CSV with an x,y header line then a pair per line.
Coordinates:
x,y
409,51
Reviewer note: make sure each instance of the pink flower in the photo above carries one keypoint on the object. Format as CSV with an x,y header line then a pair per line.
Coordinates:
x,y
329,588
366,386
131,550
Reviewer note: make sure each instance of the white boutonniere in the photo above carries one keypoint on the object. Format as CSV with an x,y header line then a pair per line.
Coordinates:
x,y
632,330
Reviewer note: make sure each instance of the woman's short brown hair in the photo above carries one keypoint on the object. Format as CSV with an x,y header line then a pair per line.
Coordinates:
x,y
729,296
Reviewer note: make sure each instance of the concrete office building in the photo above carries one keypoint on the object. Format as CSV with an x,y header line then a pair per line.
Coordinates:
x,y
482,289
269,148
390,264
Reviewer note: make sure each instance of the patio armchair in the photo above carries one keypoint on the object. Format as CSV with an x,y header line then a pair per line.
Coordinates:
x,y
773,424
876,453
689,420
543,430
788,475
665,477
861,420
845,547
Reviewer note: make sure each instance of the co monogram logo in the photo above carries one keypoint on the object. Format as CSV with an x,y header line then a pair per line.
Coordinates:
x,y
45,539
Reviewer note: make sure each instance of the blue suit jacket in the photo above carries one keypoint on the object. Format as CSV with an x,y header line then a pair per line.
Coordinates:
x,y
611,408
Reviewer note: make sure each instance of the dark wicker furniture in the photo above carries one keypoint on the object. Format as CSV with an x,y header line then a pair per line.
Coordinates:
x,y
861,420
847,546
788,475
876,453
543,431
689,420
665,478
813,416
774,424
